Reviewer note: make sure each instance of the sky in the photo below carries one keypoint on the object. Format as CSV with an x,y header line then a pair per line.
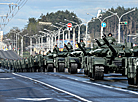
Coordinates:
x,y
34,8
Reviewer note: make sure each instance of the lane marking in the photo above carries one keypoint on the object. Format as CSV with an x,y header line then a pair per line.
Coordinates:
x,y
7,78
119,89
34,99
83,99
133,92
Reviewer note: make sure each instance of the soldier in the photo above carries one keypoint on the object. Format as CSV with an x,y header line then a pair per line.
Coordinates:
x,y
82,44
56,49
48,52
110,34
110,38
69,46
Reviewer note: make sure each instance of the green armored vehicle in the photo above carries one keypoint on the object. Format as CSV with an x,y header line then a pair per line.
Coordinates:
x,y
114,58
49,62
60,60
74,60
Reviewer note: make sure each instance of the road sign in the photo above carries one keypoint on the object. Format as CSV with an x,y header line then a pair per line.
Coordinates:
x,y
69,25
103,24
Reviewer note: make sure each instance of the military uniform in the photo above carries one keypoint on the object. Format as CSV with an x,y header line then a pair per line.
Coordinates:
x,y
82,44
65,49
56,49
70,47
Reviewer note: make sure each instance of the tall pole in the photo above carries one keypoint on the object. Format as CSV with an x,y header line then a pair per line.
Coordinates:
x,y
16,42
22,46
49,44
101,31
42,41
63,38
73,38
78,34
69,35
119,31
30,45
119,18
55,40
58,36
86,33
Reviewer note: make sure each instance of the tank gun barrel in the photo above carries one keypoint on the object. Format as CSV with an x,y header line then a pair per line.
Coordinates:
x,y
110,46
82,49
66,47
97,41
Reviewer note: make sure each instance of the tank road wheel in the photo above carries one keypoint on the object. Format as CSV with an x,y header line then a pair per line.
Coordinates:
x,y
73,68
98,73
133,81
61,67
50,68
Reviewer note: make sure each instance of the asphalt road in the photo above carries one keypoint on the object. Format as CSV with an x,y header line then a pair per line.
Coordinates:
x,y
54,87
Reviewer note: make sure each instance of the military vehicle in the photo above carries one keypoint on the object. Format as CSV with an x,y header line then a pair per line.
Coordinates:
x,y
60,61
49,62
86,55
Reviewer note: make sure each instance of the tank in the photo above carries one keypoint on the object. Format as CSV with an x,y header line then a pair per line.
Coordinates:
x,y
49,62
60,61
84,58
119,58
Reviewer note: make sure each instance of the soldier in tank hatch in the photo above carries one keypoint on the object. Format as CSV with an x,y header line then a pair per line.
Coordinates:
x,y
56,49
82,44
69,46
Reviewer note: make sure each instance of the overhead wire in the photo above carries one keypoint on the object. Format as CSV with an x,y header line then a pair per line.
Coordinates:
x,y
10,15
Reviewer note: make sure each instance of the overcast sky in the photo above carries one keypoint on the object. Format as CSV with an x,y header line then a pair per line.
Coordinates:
x,y
34,8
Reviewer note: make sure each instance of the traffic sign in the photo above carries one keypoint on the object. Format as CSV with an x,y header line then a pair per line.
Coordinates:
x,y
69,25
103,24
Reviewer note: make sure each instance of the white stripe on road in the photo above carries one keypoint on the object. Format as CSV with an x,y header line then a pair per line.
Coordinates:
x,y
83,99
133,92
7,78
34,99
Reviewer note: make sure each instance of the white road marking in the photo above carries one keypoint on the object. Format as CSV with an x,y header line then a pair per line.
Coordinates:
x,y
83,99
7,78
72,78
34,99
133,92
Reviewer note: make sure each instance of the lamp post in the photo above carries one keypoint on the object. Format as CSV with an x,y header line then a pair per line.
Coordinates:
x,y
22,44
48,39
119,18
51,35
30,43
101,21
63,30
59,28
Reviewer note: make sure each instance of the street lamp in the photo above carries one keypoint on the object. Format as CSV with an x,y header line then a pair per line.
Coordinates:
x,y
59,28
22,43
101,22
119,18
77,25
63,30
51,35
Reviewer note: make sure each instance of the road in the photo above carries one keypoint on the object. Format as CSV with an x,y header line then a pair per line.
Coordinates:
x,y
54,87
